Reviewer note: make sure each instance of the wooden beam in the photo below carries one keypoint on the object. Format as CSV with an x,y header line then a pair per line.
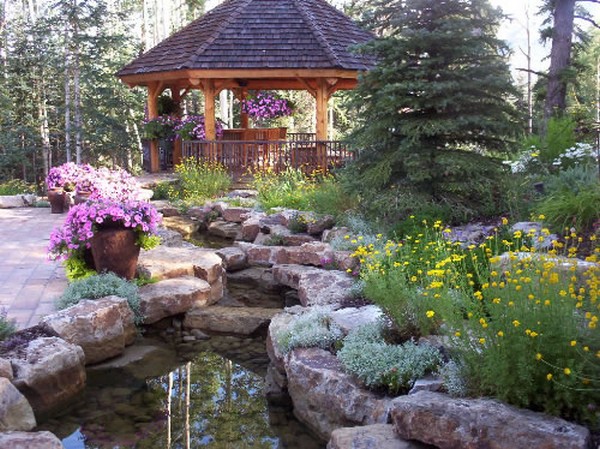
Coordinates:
x,y
308,87
209,110
154,91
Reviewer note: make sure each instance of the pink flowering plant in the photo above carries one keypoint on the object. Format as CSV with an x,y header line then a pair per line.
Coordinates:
x,y
161,127
113,184
70,242
68,175
266,106
192,128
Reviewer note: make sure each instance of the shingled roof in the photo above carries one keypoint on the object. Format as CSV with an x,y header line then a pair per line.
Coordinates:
x,y
260,34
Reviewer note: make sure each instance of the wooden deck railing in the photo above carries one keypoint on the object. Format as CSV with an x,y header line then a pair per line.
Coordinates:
x,y
240,156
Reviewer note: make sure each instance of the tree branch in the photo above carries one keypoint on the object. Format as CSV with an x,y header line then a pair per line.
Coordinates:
x,y
542,74
589,19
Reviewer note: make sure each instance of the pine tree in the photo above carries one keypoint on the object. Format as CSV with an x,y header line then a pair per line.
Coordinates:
x,y
437,105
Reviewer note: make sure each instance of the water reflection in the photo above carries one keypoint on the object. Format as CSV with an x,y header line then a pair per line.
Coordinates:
x,y
210,401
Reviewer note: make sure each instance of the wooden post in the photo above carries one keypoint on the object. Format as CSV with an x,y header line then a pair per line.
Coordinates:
x,y
153,92
209,110
322,98
176,93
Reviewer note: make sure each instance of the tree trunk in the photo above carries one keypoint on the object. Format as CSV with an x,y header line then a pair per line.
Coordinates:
x,y
67,96
44,127
77,89
560,57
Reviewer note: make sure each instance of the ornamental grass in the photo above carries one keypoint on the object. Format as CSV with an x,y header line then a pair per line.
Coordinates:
x,y
521,327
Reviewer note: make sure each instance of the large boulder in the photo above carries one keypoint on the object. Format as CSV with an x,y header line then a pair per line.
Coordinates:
x,y
6,368
14,201
48,371
265,256
235,214
279,324
315,253
324,287
229,320
234,258
291,274
164,262
350,318
251,226
29,440
183,225
168,237
375,436
15,411
317,226
325,398
449,423
102,327
172,297
225,229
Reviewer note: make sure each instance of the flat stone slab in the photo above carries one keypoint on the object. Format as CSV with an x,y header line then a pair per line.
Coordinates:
x,y
234,258
29,440
351,318
290,274
183,225
14,201
325,287
15,411
102,327
165,262
449,423
230,320
225,229
375,436
172,297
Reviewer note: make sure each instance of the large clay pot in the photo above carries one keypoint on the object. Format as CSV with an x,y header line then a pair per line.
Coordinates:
x,y
57,199
81,196
115,250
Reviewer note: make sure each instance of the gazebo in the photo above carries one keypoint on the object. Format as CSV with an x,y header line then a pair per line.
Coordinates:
x,y
244,45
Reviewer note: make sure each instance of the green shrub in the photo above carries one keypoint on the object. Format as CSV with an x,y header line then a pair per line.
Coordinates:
x,y
164,190
16,187
98,286
7,327
199,181
380,365
311,329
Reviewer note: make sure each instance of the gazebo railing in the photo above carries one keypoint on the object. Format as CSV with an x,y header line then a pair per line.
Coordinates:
x,y
240,156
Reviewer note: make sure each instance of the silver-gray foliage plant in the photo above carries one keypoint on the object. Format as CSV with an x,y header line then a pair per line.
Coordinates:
x,y
314,328
378,364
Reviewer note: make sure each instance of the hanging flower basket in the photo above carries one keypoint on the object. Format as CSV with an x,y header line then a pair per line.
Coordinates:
x,y
264,106
161,127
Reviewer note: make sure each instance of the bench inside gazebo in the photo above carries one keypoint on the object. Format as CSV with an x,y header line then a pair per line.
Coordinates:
x,y
251,45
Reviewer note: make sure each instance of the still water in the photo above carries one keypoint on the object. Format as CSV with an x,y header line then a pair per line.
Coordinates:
x,y
195,395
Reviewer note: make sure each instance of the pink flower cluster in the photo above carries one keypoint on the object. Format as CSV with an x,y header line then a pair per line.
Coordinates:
x,y
68,175
265,105
192,128
83,220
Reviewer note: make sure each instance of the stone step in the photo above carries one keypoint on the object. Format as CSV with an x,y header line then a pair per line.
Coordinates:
x,y
229,320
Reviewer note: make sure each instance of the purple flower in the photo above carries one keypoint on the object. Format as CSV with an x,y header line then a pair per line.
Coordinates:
x,y
265,105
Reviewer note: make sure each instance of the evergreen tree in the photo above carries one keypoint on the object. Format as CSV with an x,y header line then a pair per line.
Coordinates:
x,y
435,108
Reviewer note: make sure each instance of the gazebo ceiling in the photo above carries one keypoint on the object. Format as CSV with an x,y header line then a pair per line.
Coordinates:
x,y
258,44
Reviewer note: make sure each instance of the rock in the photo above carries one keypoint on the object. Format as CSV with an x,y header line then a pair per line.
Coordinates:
x,y
428,383
202,214
265,255
224,229
257,278
234,258
230,320
317,254
251,226
279,323
164,262
298,239
269,221
168,210
172,297
325,397
102,327
6,369
243,193
319,225
169,237
48,371
29,440
290,274
217,290
563,265
324,287
235,214
534,229
276,231
471,234
15,411
375,436
449,423
183,225
335,234
351,318
344,261
11,201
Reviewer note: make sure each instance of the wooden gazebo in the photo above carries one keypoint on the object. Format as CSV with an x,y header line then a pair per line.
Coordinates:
x,y
244,45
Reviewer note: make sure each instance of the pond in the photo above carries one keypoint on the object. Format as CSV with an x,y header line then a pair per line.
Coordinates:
x,y
189,395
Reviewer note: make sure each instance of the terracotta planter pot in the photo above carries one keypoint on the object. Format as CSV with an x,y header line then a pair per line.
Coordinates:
x,y
57,199
81,197
115,250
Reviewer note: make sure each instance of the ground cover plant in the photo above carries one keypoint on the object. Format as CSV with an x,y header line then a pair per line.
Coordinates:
x,y
521,327
99,286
